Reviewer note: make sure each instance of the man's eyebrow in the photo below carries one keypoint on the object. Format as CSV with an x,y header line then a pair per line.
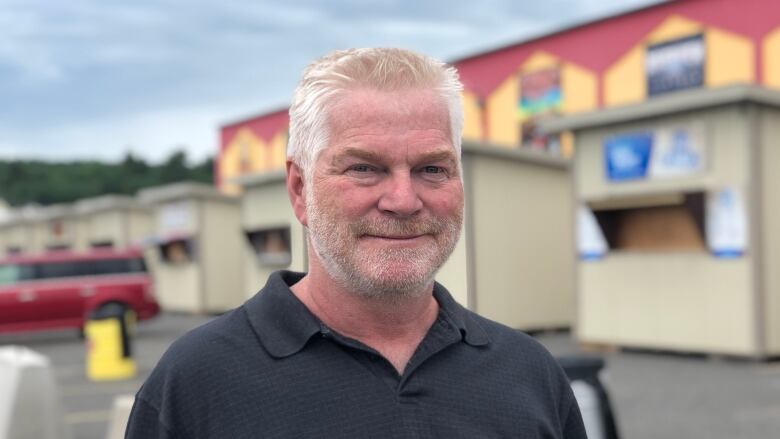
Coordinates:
x,y
436,156
371,156
358,153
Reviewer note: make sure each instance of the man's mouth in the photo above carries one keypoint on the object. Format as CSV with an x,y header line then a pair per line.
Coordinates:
x,y
394,237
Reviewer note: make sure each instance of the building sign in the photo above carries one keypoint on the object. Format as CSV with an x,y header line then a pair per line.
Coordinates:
x,y
727,229
540,97
663,153
175,217
540,92
675,65
677,152
627,156
590,239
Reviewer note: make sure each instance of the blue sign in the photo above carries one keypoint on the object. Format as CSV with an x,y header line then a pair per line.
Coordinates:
x,y
626,157
681,155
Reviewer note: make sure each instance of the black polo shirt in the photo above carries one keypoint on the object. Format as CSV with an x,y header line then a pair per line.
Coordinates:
x,y
271,369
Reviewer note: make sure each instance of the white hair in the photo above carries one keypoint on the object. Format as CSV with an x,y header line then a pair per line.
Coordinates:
x,y
382,69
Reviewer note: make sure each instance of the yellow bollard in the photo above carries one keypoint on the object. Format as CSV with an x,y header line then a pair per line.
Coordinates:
x,y
108,345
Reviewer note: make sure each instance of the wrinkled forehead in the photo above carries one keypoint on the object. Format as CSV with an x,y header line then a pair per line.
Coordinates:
x,y
389,112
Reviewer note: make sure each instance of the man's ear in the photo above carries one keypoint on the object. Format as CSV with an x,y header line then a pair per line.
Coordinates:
x,y
296,192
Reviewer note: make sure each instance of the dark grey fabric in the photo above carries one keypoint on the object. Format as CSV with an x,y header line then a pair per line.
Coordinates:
x,y
271,369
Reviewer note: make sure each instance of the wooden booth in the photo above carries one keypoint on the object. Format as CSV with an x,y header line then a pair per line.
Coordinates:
x,y
113,221
16,233
518,233
678,223
273,237
57,228
197,242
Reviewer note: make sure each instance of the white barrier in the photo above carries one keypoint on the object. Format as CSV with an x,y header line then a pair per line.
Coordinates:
x,y
29,400
591,409
120,412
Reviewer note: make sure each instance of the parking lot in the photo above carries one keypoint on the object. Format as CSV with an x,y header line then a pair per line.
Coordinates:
x,y
656,395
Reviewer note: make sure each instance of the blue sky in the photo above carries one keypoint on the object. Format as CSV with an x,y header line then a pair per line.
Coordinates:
x,y
94,79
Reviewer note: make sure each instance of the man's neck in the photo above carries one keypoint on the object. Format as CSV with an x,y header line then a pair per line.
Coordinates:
x,y
394,328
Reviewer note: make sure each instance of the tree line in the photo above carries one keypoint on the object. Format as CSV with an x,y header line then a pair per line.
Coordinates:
x,y
36,181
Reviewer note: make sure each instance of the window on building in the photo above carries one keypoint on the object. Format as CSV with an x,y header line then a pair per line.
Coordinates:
x,y
271,246
669,226
178,251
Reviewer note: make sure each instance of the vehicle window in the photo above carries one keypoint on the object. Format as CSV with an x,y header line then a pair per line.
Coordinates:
x,y
9,274
113,266
109,266
137,265
51,270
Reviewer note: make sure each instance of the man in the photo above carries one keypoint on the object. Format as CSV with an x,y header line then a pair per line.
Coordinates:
x,y
365,344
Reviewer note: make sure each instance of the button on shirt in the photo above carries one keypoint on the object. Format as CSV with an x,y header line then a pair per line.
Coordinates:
x,y
271,369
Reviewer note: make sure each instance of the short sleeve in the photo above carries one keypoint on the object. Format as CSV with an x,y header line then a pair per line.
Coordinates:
x,y
573,427
144,422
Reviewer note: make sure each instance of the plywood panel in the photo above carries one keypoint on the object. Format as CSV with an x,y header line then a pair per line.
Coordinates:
x,y
523,244
770,233
220,256
689,302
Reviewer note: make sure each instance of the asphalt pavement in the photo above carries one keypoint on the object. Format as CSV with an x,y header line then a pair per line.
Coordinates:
x,y
655,395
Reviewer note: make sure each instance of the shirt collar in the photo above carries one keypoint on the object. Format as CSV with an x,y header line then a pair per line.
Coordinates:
x,y
282,322
284,325
470,330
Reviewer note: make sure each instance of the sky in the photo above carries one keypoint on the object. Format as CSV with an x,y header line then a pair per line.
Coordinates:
x,y
95,79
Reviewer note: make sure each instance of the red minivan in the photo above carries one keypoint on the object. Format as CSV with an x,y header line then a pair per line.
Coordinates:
x,y
60,289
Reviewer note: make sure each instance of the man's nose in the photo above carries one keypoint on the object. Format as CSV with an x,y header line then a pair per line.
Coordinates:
x,y
400,196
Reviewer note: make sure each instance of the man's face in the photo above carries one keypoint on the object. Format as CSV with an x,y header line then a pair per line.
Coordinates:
x,y
385,204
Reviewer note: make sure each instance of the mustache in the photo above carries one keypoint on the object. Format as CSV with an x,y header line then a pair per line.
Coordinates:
x,y
399,227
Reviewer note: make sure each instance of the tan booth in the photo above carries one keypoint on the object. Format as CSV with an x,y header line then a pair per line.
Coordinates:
x,y
113,221
518,236
273,237
513,262
16,234
678,223
198,242
57,228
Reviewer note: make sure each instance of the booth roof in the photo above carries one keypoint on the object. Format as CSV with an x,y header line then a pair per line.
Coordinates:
x,y
182,190
526,155
671,103
107,202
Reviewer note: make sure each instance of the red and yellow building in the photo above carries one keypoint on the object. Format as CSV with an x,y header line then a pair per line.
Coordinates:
x,y
615,61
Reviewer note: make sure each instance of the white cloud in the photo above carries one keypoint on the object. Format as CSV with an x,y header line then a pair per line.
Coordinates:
x,y
92,78
152,135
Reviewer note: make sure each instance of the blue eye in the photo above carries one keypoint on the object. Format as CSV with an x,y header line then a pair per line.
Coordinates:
x,y
361,168
433,169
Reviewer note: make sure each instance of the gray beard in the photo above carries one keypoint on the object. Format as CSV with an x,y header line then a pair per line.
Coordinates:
x,y
366,275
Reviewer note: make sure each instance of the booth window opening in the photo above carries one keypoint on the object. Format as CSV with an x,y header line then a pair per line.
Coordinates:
x,y
656,228
271,246
177,252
